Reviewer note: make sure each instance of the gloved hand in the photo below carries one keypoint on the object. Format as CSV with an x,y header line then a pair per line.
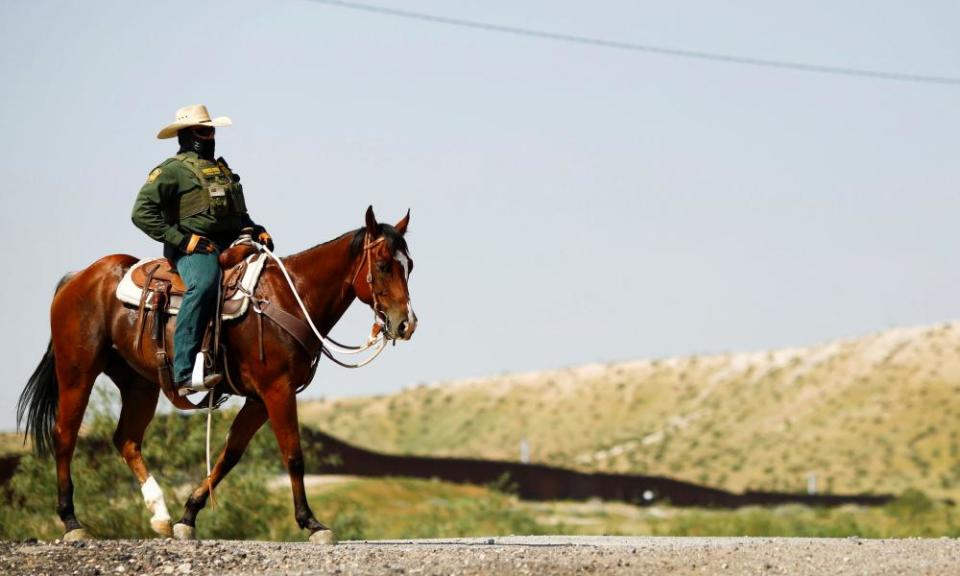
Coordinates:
x,y
263,237
266,240
193,243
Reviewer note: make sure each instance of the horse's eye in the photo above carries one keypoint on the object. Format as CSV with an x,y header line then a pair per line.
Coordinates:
x,y
383,267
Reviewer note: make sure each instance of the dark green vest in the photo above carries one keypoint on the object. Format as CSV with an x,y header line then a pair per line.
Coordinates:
x,y
220,193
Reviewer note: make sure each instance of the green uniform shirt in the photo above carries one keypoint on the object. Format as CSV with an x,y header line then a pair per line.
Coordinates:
x,y
161,199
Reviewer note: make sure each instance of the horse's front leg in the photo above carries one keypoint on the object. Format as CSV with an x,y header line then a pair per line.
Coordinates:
x,y
282,408
250,418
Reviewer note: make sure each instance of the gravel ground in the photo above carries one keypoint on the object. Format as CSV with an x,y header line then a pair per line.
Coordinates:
x,y
511,555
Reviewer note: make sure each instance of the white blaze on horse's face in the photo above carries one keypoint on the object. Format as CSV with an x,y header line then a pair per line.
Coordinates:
x,y
411,324
404,261
411,320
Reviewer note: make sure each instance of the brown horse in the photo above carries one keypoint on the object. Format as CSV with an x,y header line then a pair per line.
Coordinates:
x,y
92,332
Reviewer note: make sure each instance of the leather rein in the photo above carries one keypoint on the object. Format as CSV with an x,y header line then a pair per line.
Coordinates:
x,y
325,344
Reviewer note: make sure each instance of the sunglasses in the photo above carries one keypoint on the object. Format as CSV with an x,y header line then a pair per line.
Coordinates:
x,y
204,132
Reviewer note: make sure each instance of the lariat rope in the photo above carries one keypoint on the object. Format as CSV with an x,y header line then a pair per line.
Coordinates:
x,y
210,409
210,406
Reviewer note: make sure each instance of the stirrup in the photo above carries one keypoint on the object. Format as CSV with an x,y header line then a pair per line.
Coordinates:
x,y
208,383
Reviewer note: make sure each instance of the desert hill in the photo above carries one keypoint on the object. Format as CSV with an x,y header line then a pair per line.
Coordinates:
x,y
880,413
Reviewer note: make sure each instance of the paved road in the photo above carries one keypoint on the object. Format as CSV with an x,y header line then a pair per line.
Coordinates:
x,y
511,555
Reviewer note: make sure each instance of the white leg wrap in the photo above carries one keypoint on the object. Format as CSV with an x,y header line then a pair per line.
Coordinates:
x,y
153,497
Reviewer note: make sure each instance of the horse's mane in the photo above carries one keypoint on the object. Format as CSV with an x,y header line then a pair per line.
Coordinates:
x,y
395,241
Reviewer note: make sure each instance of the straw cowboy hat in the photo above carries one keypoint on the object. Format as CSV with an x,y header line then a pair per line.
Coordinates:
x,y
195,115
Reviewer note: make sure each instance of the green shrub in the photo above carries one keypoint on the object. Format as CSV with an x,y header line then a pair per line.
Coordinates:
x,y
910,505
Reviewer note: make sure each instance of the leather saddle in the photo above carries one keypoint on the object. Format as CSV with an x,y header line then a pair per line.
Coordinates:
x,y
161,291
153,286
159,276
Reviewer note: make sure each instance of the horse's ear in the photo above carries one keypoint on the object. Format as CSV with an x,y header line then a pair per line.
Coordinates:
x,y
402,224
373,229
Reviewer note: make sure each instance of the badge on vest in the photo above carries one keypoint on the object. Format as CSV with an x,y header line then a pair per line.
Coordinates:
x,y
153,175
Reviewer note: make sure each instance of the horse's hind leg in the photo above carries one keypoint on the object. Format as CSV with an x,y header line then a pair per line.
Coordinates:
x,y
79,341
138,402
75,379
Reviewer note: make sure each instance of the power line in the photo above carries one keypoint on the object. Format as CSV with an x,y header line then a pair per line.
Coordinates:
x,y
693,54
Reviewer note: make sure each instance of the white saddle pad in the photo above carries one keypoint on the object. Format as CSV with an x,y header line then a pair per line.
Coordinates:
x,y
130,293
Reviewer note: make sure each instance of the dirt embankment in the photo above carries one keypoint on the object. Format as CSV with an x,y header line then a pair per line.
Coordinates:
x,y
873,414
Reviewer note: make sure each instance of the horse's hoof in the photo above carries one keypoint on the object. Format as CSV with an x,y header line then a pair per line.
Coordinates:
x,y
162,527
184,532
323,537
76,534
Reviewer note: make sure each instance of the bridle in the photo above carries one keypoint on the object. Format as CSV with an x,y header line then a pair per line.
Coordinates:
x,y
368,246
327,344
379,316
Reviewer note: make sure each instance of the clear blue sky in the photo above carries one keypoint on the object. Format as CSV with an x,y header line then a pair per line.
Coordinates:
x,y
570,204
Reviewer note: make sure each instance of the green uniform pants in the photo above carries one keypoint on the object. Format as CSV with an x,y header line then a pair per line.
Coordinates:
x,y
201,274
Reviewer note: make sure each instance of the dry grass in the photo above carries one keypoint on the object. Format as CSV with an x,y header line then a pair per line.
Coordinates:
x,y
12,443
873,414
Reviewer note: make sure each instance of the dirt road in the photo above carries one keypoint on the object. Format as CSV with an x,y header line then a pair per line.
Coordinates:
x,y
510,555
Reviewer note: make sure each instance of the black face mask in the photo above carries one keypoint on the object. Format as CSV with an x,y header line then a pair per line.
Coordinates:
x,y
189,142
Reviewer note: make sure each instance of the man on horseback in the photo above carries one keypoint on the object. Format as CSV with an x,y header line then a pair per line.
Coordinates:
x,y
194,205
95,329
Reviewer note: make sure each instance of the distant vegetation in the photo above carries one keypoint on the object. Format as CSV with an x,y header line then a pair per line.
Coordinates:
x,y
874,414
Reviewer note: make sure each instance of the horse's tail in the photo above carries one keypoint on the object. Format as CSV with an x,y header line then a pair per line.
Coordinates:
x,y
39,399
38,402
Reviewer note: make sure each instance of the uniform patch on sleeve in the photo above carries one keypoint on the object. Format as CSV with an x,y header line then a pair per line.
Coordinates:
x,y
154,175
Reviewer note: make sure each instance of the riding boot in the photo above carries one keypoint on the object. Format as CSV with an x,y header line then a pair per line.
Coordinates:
x,y
187,386
197,381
